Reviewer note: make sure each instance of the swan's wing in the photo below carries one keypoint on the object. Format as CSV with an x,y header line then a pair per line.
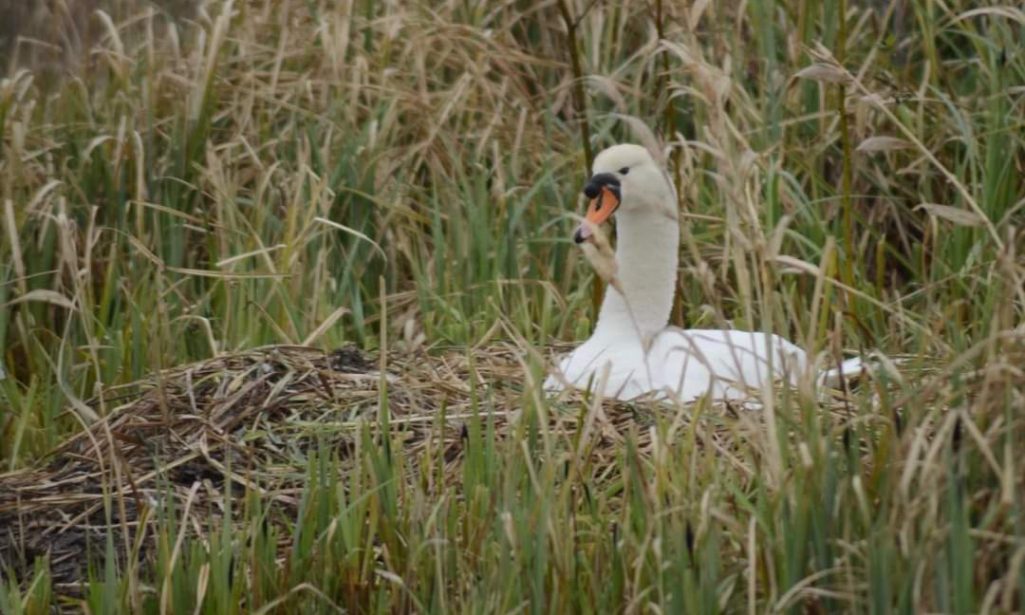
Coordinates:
x,y
726,364
851,368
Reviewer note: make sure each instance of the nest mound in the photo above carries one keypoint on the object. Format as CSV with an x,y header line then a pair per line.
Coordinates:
x,y
248,423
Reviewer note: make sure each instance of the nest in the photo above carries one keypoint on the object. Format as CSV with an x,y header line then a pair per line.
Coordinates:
x,y
248,423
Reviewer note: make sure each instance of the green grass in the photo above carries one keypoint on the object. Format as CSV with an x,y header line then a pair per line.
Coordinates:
x,y
279,172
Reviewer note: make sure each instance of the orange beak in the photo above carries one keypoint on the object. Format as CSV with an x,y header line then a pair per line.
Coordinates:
x,y
599,210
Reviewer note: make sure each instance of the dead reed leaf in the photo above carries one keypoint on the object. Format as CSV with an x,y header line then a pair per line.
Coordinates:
x,y
642,132
824,73
45,296
1007,12
694,14
600,255
610,88
883,144
961,217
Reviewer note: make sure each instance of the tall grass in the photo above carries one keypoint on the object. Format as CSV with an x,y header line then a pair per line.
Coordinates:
x,y
253,173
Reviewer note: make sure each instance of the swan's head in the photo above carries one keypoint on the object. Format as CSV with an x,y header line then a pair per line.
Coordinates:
x,y
625,179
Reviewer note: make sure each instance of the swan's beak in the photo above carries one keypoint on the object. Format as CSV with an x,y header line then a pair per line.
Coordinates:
x,y
605,197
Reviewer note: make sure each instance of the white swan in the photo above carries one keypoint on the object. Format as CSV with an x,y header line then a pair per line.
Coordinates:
x,y
633,351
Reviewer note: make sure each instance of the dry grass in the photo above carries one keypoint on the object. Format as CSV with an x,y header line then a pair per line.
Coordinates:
x,y
238,423
247,425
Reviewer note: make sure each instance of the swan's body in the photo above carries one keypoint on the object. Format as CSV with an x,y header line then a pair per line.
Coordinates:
x,y
633,350
682,365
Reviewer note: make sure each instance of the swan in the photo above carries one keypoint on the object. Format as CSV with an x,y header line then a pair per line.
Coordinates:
x,y
633,351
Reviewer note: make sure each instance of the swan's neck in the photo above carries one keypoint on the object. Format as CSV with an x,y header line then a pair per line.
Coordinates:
x,y
647,254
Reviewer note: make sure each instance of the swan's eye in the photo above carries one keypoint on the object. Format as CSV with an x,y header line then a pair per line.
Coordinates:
x,y
624,170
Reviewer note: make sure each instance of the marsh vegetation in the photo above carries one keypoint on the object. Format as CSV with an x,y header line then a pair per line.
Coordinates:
x,y
191,193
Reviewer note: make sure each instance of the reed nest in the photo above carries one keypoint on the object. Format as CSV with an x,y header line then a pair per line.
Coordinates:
x,y
246,424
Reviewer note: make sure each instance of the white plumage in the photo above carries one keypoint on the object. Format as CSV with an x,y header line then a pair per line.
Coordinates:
x,y
633,351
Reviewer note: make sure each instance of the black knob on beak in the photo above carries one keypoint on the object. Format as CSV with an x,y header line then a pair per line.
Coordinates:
x,y
594,185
